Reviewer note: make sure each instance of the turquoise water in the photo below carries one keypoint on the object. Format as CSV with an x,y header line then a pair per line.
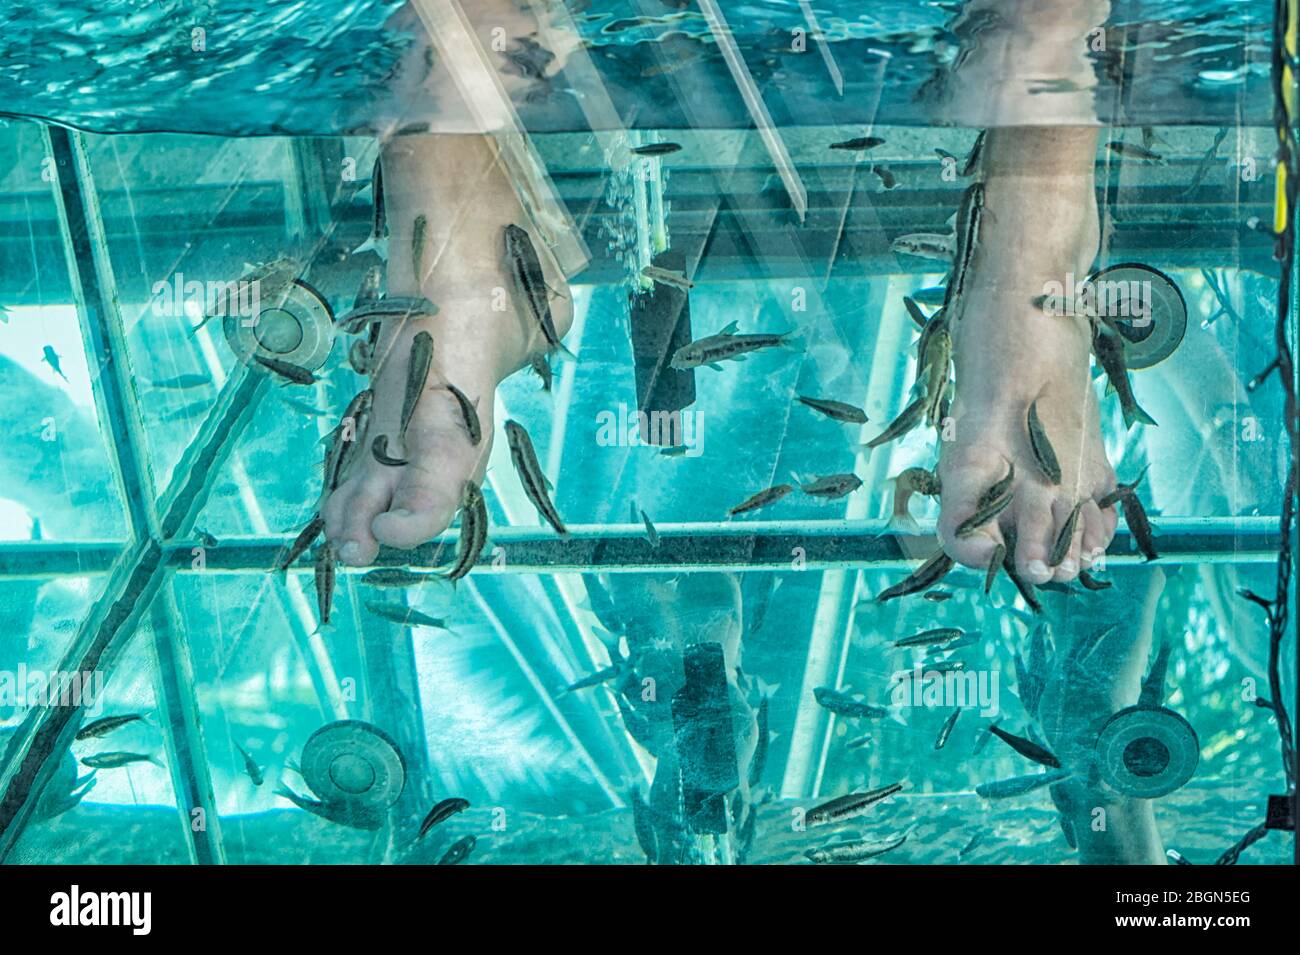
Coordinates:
x,y
147,490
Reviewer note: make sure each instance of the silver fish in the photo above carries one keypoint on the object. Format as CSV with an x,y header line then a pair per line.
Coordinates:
x,y
859,144
530,282
668,277
725,346
459,851
468,413
842,704
995,563
397,577
376,311
850,852
325,571
833,486
347,437
1025,747
531,477
838,410
419,238
473,530
848,807
923,578
253,770
182,382
925,245
379,450
304,540
1065,537
1019,785
287,370
102,727
116,760
946,730
403,615
1134,151
441,813
969,216
378,240
761,499
1044,453
1108,346
1121,490
656,149
417,376
930,638
984,515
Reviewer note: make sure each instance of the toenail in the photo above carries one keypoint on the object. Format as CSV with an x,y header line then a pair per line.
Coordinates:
x,y
1037,568
350,552
400,512
1069,567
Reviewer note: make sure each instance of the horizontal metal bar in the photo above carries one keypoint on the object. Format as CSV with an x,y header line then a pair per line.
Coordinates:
x,y
752,545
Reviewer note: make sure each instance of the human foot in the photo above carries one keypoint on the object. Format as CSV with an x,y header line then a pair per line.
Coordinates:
x,y
1040,225
456,184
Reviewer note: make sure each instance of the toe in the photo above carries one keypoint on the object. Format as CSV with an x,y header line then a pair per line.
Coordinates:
x,y
1035,532
962,486
1098,529
348,513
1068,568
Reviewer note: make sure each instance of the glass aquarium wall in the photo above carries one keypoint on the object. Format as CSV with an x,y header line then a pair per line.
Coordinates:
x,y
759,635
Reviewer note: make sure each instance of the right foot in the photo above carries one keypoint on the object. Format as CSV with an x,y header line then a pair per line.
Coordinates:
x,y
1040,223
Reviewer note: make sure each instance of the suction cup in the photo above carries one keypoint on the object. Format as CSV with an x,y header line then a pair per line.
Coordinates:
x,y
1147,752
354,764
291,321
1147,307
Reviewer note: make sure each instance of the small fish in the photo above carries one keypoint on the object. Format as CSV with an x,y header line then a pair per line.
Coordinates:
x,y
468,413
1134,151
763,498
1108,346
1065,537
842,704
530,282
378,240
984,515
833,486
996,490
359,357
403,615
51,358
1026,748
325,571
924,245
368,290
969,216
668,277
116,760
850,852
910,481
347,436
1121,490
1019,785
106,725
287,370
531,477
1023,587
379,450
975,840
305,539
182,382
441,812
1044,453
725,346
995,562
907,419
419,238
417,376
859,144
930,638
473,530
594,679
397,577
372,314
1090,582
542,367
918,317
1135,516
886,176
251,768
459,851
656,149
946,730
848,807
651,534
838,410
937,596
923,578
975,155
858,742
762,741
932,296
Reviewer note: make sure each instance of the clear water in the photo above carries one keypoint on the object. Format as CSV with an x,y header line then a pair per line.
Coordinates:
x,y
197,164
